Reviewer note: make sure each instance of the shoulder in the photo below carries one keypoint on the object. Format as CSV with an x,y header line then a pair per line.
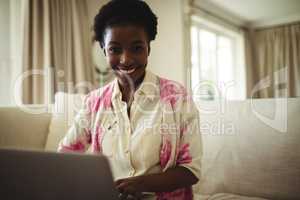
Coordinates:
x,y
103,91
170,87
100,98
172,92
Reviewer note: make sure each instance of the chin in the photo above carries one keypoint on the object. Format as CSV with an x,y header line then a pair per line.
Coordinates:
x,y
129,78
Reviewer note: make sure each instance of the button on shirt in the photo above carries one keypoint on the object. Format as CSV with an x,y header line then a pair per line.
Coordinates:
x,y
161,132
133,144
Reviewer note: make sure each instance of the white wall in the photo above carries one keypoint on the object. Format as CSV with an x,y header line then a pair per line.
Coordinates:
x,y
166,58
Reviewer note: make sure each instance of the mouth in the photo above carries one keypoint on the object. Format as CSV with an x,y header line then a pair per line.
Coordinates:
x,y
129,71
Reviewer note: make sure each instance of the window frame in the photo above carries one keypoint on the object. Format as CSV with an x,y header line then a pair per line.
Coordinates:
x,y
238,59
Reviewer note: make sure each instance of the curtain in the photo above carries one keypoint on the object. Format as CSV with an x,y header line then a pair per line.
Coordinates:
x,y
57,44
273,62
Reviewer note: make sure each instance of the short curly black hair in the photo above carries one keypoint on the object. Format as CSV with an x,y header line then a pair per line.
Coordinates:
x,y
125,12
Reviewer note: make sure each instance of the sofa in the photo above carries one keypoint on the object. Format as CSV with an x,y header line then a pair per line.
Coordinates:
x,y
251,148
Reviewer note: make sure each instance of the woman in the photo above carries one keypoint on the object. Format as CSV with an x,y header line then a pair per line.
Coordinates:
x,y
146,125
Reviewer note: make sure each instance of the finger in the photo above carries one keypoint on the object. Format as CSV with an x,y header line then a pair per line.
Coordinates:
x,y
119,181
130,190
123,196
131,197
122,186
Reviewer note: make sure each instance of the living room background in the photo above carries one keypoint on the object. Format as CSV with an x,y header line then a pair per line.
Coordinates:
x,y
171,50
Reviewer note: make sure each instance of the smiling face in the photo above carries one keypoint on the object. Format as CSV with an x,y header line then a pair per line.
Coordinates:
x,y
126,48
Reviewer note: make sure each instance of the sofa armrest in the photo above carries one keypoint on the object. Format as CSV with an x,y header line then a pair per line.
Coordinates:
x,y
20,129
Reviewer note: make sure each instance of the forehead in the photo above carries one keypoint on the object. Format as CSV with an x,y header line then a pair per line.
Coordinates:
x,y
125,34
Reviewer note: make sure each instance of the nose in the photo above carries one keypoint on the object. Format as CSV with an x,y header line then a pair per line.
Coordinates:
x,y
126,59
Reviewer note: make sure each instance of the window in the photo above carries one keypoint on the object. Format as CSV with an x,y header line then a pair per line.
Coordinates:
x,y
217,62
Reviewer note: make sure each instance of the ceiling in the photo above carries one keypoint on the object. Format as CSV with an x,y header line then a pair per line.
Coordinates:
x,y
254,12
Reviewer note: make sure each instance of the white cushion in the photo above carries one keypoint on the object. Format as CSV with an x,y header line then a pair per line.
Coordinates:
x,y
225,196
245,152
24,128
65,108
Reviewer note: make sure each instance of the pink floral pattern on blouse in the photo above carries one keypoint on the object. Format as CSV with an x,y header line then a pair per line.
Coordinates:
x,y
180,194
165,153
96,147
171,91
184,156
95,102
77,146
178,147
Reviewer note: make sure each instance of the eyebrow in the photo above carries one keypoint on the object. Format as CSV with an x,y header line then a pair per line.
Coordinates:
x,y
113,42
138,42
134,42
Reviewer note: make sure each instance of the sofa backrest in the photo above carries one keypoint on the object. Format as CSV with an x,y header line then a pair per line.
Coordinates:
x,y
251,147
65,109
22,128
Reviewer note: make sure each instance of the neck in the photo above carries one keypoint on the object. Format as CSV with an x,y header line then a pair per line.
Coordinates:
x,y
127,90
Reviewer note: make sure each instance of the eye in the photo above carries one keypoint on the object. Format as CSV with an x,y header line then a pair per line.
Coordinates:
x,y
138,48
114,50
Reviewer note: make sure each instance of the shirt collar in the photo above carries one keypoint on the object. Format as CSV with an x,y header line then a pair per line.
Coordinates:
x,y
148,88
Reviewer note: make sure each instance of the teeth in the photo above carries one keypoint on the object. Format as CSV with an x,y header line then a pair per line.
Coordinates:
x,y
127,71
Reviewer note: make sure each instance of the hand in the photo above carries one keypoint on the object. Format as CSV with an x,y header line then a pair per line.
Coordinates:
x,y
130,188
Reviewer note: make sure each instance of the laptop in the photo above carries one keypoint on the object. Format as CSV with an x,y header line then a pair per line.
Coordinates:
x,y
38,175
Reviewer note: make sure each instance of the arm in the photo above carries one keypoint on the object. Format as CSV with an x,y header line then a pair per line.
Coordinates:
x,y
78,137
187,169
170,180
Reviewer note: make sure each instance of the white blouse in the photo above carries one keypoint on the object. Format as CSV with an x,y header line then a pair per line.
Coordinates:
x,y
156,136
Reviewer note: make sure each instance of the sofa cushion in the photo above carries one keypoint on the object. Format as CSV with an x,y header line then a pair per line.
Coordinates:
x,y
247,150
65,108
226,196
24,128
57,129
